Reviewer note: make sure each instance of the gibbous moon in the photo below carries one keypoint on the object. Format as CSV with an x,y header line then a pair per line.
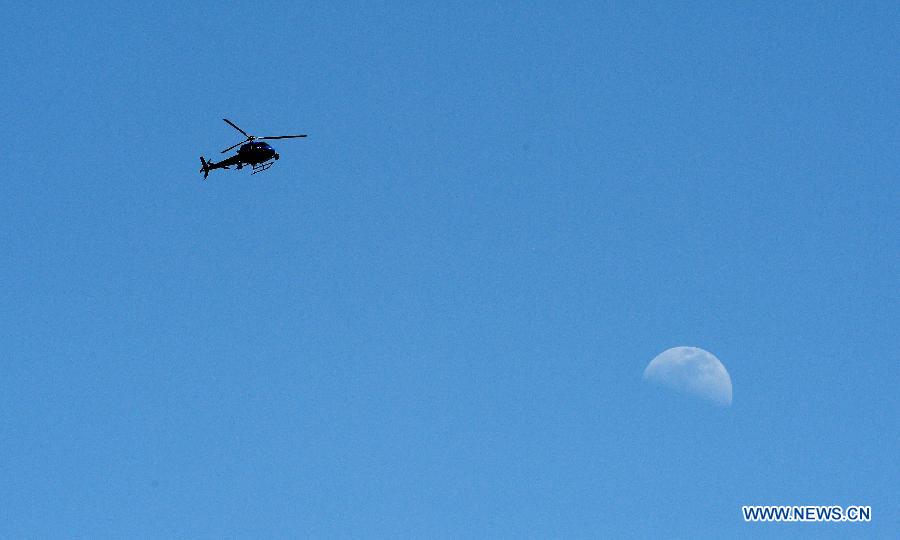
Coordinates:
x,y
693,371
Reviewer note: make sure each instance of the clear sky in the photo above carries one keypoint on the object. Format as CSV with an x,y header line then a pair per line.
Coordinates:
x,y
431,317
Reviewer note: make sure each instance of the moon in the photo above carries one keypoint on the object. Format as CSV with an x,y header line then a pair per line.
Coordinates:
x,y
692,371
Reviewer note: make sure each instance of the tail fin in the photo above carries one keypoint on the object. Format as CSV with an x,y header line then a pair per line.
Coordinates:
x,y
204,167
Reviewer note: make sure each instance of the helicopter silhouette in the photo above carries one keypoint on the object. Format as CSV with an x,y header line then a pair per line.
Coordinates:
x,y
258,155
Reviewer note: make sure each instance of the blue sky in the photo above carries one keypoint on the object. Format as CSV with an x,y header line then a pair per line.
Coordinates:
x,y
431,317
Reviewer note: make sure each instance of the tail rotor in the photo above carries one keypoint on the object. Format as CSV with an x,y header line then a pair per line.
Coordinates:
x,y
204,167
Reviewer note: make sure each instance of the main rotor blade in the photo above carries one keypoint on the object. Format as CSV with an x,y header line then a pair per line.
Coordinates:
x,y
280,137
235,146
232,124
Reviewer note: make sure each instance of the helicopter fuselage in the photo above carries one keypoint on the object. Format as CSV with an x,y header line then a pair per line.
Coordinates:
x,y
253,153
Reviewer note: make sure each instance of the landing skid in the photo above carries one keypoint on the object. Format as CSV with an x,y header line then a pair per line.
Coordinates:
x,y
260,167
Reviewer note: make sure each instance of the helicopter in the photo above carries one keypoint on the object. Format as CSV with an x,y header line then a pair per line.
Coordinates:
x,y
252,151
